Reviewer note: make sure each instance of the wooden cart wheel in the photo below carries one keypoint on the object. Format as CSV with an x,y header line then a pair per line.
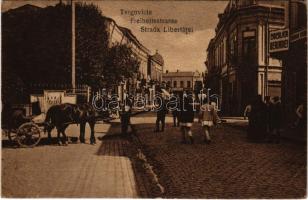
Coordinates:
x,y
28,135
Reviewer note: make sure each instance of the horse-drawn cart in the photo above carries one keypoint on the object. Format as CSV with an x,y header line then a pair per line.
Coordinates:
x,y
61,111
24,129
26,132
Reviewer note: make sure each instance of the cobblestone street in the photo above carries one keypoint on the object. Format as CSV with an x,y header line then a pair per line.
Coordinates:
x,y
229,167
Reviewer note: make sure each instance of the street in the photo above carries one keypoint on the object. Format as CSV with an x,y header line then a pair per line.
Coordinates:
x,y
72,62
229,167
76,170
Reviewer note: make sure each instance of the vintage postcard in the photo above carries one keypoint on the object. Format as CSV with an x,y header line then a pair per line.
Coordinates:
x,y
184,99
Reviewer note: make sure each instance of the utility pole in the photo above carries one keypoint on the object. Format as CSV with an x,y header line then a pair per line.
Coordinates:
x,y
267,53
73,47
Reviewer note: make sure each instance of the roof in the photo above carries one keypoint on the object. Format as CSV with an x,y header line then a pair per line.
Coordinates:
x,y
235,9
128,33
181,74
25,8
158,58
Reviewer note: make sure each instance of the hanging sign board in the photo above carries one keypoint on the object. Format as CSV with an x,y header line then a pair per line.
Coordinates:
x,y
279,40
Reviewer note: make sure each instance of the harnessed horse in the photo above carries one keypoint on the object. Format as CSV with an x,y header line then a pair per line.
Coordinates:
x,y
61,116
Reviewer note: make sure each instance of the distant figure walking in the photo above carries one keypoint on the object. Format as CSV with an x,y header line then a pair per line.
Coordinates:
x,y
275,120
257,120
208,117
268,104
247,111
175,109
125,115
301,116
187,117
161,114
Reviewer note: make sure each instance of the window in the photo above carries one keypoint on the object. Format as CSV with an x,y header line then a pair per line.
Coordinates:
x,y
298,15
182,84
169,83
174,84
188,84
249,47
233,45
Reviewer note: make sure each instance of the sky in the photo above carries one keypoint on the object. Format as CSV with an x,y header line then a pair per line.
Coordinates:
x,y
185,52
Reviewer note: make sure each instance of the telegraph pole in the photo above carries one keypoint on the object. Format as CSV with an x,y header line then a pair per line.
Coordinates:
x,y
267,54
73,47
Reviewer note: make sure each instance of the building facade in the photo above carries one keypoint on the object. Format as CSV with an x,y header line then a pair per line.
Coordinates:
x,y
155,67
182,80
118,36
294,60
239,66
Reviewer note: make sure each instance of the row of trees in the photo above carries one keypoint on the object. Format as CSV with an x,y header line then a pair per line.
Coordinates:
x,y
36,48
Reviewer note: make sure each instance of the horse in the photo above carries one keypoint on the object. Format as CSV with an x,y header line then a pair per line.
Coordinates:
x,y
60,116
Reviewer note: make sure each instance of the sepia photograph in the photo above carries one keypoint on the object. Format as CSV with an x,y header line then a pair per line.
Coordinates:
x,y
200,99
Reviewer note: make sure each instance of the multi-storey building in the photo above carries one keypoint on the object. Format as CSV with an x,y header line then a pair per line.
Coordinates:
x,y
155,67
294,77
122,35
182,80
238,62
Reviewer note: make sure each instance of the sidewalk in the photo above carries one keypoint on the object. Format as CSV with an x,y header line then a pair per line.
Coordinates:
x,y
104,170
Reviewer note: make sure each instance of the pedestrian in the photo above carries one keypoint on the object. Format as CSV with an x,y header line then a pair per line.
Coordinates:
x,y
301,116
257,120
174,103
275,120
187,116
268,103
162,110
125,118
208,117
247,111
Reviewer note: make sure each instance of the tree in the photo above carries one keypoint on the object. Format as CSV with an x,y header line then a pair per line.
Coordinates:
x,y
36,48
120,63
91,44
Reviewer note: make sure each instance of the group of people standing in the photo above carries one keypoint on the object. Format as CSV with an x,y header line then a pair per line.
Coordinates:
x,y
184,108
264,119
